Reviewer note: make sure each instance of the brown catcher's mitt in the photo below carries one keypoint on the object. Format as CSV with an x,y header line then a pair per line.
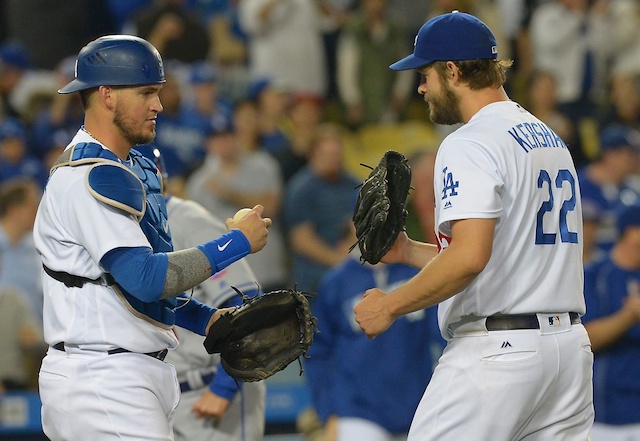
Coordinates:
x,y
264,335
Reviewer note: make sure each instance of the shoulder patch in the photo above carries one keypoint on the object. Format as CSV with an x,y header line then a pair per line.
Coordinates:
x,y
117,186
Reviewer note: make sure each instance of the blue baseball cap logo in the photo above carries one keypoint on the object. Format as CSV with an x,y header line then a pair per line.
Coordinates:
x,y
450,37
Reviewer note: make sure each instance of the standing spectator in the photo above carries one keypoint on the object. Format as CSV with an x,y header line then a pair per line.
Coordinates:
x,y
231,178
173,29
612,292
15,159
369,43
318,206
606,182
19,261
63,113
543,102
20,340
179,136
573,39
213,406
273,100
305,115
272,28
14,62
355,400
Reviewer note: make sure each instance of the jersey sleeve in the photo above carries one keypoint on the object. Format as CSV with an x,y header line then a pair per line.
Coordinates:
x,y
467,183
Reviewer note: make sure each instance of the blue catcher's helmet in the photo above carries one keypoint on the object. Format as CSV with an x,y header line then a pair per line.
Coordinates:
x,y
116,60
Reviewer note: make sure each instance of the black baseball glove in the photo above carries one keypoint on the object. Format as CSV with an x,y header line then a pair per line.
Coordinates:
x,y
264,335
380,213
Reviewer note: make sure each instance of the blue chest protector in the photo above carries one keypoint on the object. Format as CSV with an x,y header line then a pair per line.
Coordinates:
x,y
136,188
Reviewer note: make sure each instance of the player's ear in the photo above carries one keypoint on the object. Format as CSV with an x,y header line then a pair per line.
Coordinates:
x,y
107,96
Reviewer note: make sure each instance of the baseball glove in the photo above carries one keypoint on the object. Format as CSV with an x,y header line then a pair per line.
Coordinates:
x,y
263,335
380,214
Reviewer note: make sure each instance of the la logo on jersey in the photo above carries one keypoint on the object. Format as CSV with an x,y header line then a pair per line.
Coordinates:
x,y
554,320
450,186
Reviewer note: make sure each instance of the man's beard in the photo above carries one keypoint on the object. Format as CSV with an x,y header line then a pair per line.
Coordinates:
x,y
445,108
126,128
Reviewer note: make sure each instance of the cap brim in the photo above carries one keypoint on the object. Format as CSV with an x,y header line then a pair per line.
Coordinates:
x,y
410,62
73,86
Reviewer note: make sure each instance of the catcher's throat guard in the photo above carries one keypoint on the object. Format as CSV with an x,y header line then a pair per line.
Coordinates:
x,y
264,335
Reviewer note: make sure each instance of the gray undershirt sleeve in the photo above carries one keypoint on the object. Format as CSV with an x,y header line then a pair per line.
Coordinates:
x,y
187,268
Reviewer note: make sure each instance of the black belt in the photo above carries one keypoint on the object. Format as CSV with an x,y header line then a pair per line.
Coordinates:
x,y
160,355
206,379
527,321
72,281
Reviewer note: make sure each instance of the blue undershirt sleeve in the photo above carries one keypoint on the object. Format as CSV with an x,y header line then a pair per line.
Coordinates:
x,y
139,270
193,315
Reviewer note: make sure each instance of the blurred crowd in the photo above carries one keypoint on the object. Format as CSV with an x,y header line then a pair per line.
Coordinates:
x,y
263,100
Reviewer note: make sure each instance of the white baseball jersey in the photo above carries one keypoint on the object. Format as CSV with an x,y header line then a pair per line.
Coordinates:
x,y
72,232
507,165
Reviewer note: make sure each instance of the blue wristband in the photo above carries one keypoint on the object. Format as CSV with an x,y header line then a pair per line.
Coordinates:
x,y
226,249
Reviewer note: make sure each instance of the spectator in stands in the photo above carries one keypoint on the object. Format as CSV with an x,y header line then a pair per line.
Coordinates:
x,y
285,42
624,101
612,294
272,97
370,92
421,200
172,27
606,182
306,113
574,40
15,159
354,400
14,62
178,135
20,264
543,103
319,203
232,178
64,113
20,340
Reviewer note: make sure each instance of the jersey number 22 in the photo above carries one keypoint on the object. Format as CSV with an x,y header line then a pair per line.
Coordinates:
x,y
544,181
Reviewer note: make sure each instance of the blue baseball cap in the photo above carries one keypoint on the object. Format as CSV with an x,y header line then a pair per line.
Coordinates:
x,y
15,54
12,128
450,37
617,136
627,216
203,72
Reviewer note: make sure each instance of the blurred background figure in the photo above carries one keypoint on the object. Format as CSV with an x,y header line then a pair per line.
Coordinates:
x,y
420,222
272,98
231,178
173,28
213,406
21,343
19,261
371,40
318,206
285,40
15,158
612,293
358,385
604,183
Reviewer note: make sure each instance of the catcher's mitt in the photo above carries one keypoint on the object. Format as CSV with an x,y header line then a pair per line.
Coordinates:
x,y
264,335
380,214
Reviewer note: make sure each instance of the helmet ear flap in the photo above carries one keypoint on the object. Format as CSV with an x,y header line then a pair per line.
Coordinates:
x,y
116,60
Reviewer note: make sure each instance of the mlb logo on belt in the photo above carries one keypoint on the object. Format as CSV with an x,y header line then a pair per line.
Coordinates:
x,y
554,320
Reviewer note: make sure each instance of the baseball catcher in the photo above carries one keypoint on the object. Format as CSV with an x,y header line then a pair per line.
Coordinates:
x,y
380,213
264,335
